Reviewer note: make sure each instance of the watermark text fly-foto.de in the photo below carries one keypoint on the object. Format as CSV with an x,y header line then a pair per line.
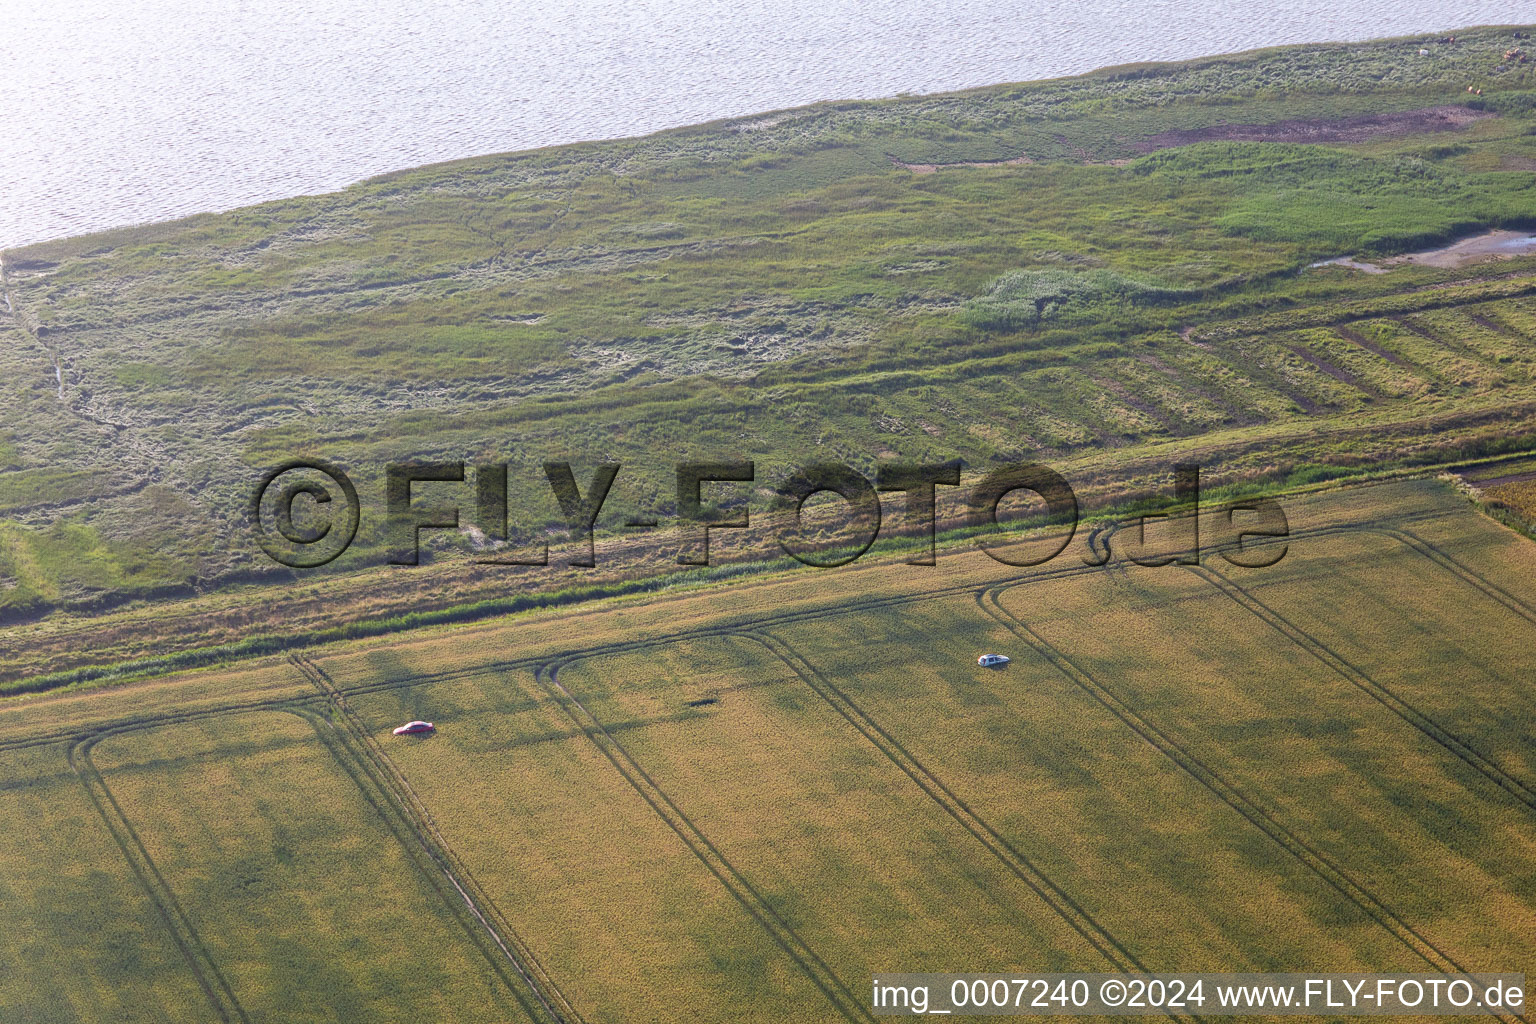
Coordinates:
x,y
304,513
1194,995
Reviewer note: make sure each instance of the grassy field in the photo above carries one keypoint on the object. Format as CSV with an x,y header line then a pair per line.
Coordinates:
x,y
741,803
1139,290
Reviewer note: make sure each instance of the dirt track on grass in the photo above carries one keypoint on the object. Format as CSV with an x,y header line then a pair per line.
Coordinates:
x,y
1361,128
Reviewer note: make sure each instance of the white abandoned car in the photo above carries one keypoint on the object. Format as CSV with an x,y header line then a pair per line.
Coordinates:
x,y
989,660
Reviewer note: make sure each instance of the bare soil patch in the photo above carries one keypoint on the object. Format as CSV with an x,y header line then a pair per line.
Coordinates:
x,y
1491,245
1513,478
931,168
1352,264
1357,338
1360,128
1480,248
1342,376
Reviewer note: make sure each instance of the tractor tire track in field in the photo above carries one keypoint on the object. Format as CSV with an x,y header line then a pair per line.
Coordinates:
x,y
370,790
1051,893
1361,679
1467,574
143,721
542,992
199,960
414,845
1431,552
1056,898
782,932
1305,853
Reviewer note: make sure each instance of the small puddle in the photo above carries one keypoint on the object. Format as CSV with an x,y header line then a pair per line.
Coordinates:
x,y
1352,264
1490,245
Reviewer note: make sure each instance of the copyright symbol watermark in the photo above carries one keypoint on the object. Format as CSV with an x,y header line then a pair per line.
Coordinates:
x,y
304,513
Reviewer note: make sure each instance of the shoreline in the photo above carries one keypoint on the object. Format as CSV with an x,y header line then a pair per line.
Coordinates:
x,y
748,122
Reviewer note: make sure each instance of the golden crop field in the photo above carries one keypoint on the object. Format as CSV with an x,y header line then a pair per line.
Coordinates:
x,y
743,802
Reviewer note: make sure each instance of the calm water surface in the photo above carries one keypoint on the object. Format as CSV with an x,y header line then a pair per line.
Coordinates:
x,y
122,111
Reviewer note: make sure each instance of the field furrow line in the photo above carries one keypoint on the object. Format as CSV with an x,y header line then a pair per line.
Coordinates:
x,y
199,960
143,722
388,777
1229,794
755,621
404,831
373,761
783,934
1467,574
1433,553
1052,894
1377,691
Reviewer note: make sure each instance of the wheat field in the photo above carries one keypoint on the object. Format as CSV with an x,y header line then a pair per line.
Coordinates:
x,y
741,802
